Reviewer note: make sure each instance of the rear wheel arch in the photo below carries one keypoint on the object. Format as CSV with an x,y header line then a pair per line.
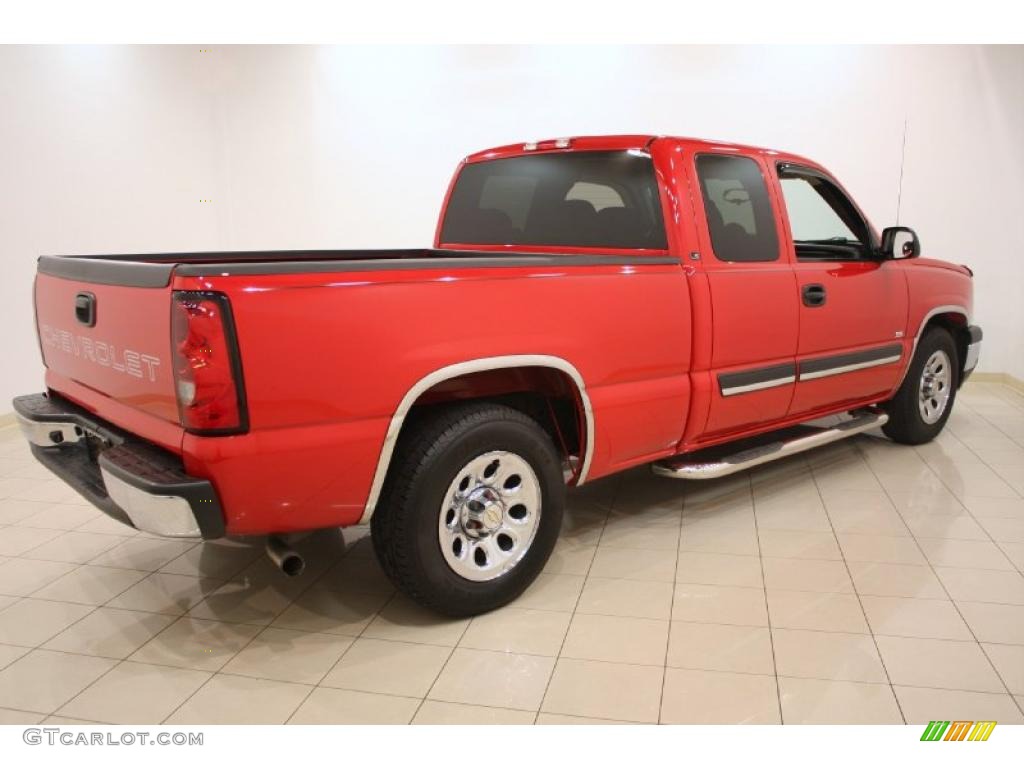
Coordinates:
x,y
531,381
471,508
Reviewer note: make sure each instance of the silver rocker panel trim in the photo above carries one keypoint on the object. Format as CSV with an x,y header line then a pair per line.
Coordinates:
x,y
681,469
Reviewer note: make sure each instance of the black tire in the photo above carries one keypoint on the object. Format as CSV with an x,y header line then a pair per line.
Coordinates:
x,y
906,423
405,523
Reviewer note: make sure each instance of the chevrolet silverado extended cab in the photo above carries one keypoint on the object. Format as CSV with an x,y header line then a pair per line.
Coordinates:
x,y
589,305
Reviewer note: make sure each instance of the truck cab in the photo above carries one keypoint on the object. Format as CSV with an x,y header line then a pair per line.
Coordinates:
x,y
800,306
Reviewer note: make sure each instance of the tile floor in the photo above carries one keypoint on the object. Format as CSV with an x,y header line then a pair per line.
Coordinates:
x,y
864,583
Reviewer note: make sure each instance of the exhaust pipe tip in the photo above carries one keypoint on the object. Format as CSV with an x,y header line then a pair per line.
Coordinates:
x,y
290,562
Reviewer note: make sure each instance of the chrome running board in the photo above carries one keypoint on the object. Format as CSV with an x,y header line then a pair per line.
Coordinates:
x,y
701,466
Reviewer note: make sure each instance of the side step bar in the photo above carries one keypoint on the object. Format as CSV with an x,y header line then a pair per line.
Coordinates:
x,y
693,467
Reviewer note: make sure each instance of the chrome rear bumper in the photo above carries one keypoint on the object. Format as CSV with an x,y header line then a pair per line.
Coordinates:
x,y
158,509
130,480
49,433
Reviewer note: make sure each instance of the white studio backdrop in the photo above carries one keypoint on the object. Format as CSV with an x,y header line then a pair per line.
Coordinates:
x,y
156,149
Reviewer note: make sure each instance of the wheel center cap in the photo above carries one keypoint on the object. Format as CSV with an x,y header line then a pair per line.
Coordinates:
x,y
482,512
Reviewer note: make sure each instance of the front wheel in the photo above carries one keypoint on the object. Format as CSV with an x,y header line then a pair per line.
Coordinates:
x,y
922,404
471,508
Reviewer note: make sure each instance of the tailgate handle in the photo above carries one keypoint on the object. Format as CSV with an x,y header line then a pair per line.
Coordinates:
x,y
85,308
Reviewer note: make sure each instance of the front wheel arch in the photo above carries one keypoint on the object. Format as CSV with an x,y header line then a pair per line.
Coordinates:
x,y
952,318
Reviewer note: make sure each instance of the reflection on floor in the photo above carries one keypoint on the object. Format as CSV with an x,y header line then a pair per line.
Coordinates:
x,y
863,583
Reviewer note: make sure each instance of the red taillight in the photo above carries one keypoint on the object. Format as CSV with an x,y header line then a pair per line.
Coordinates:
x,y
207,372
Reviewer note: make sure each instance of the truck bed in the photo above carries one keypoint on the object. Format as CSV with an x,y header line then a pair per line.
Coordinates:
x,y
331,343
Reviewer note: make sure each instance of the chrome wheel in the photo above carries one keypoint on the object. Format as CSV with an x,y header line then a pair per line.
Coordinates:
x,y
934,390
489,516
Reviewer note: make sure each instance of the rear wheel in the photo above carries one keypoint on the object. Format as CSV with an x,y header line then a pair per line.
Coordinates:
x,y
471,509
921,406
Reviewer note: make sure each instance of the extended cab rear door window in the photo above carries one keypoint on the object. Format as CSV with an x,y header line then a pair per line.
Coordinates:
x,y
582,199
824,224
739,213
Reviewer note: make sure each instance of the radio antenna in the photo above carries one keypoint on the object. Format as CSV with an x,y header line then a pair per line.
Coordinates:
x,y
903,159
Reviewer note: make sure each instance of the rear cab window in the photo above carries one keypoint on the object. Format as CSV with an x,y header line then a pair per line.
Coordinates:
x,y
739,213
588,199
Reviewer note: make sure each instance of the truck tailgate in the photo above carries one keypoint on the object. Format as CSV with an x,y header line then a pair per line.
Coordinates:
x,y
113,339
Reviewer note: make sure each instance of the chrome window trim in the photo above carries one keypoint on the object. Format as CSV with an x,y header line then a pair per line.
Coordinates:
x,y
461,369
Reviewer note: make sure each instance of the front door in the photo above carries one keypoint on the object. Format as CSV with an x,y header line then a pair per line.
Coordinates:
x,y
852,305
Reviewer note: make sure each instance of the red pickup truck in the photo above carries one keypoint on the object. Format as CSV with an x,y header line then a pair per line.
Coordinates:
x,y
590,304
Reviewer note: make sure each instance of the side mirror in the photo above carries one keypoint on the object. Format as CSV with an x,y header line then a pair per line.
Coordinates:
x,y
900,243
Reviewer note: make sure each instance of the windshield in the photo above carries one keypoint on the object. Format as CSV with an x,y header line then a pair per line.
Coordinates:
x,y
587,199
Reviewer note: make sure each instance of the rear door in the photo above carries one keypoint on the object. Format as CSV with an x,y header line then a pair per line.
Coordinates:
x,y
755,318
852,305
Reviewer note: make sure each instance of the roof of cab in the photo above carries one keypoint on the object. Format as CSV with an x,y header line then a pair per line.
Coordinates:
x,y
614,143
575,144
